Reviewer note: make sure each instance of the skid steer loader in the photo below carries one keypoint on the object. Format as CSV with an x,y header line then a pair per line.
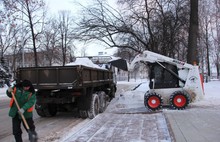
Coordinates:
x,y
172,82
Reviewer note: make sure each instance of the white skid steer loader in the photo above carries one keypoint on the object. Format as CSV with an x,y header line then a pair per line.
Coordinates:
x,y
172,82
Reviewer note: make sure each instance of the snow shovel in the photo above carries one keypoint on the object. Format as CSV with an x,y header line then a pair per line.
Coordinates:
x,y
32,137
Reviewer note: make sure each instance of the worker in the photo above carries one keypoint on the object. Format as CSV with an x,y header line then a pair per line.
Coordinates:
x,y
25,95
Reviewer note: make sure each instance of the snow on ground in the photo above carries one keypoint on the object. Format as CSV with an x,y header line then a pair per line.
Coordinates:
x,y
3,92
212,95
126,118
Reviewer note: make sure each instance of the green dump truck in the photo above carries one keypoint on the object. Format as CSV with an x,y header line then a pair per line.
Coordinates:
x,y
74,88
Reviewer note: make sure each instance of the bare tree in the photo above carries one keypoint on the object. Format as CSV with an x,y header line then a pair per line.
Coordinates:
x,y
32,13
66,33
140,25
216,31
50,42
205,38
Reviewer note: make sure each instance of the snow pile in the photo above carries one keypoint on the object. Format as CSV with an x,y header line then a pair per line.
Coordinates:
x,y
84,62
124,120
212,96
130,101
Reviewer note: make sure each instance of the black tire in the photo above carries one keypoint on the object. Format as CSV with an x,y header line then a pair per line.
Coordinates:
x,y
102,101
83,114
94,106
39,110
52,109
112,92
179,100
153,101
47,110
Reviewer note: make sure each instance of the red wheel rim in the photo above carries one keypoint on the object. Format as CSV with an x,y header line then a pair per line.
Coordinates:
x,y
154,101
179,100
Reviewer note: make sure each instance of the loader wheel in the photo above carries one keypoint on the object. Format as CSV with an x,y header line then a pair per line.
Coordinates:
x,y
179,100
153,101
94,106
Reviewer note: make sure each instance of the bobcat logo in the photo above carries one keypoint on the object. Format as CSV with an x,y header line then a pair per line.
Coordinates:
x,y
193,79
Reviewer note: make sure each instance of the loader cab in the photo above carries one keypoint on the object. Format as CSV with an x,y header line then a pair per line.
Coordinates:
x,y
161,78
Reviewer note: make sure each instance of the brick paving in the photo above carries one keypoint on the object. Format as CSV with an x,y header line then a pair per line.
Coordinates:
x,y
110,127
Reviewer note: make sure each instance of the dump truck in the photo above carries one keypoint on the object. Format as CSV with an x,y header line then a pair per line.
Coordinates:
x,y
74,88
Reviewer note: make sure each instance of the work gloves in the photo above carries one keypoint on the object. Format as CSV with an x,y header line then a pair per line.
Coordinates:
x,y
10,89
21,111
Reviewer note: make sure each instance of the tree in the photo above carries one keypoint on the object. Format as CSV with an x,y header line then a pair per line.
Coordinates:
x,y
217,39
66,33
138,25
50,42
192,54
32,14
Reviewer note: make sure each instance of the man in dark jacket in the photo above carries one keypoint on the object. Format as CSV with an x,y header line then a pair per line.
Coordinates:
x,y
25,95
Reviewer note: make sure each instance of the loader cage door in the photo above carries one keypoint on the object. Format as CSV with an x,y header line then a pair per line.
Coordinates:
x,y
162,78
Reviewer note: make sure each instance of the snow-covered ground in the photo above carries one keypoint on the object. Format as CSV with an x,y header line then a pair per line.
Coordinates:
x,y
212,94
126,118
3,92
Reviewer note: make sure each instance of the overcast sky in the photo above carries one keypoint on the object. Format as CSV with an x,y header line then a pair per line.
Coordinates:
x,y
58,5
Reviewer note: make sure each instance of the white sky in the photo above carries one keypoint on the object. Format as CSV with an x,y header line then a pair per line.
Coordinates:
x,y
92,49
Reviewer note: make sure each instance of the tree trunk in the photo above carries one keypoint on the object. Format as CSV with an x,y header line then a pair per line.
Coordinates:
x,y
32,34
192,56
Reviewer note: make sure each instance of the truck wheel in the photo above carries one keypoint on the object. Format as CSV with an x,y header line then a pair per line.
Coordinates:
x,y
40,113
179,100
102,101
83,114
50,109
153,101
94,106
39,110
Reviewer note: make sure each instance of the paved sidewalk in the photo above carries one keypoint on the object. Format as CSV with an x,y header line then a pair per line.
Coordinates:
x,y
109,127
195,124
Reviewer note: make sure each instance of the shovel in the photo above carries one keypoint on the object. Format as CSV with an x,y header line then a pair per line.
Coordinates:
x,y
32,137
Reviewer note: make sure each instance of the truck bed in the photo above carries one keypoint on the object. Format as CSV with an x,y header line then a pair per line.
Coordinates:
x,y
65,77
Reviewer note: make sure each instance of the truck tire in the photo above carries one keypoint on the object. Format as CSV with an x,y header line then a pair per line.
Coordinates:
x,y
40,113
39,110
94,106
52,109
179,100
47,110
153,101
83,114
102,101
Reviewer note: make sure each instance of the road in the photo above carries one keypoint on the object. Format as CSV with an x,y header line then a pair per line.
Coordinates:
x,y
48,129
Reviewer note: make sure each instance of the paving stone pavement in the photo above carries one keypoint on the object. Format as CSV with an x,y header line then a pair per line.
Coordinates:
x,y
109,127
200,124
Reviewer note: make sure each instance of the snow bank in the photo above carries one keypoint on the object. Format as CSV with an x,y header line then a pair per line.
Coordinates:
x,y
212,96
